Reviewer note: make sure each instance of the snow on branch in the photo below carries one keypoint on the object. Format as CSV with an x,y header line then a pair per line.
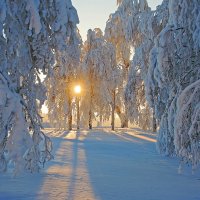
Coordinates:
x,y
187,125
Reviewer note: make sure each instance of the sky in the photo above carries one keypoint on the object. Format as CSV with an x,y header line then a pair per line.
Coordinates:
x,y
95,13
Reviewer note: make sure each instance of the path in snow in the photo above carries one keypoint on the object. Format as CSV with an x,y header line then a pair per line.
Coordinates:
x,y
104,165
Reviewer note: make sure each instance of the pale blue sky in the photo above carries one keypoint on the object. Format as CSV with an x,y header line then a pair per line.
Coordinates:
x,y
95,13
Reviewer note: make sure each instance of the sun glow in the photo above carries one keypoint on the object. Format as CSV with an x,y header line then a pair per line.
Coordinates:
x,y
44,109
77,89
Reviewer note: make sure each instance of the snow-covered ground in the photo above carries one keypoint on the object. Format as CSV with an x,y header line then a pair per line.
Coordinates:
x,y
104,165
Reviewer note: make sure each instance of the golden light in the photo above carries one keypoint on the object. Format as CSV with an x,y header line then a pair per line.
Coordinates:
x,y
77,89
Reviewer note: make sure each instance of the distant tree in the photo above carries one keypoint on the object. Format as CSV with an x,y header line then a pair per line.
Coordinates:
x,y
143,27
133,27
102,73
115,33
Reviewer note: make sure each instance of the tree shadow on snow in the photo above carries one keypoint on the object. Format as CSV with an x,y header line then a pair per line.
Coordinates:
x,y
110,162
124,167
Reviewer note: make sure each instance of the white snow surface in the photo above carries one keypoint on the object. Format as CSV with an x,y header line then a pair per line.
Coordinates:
x,y
104,165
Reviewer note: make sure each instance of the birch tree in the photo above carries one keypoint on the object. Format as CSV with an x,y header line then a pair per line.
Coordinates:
x,y
175,64
27,49
115,33
66,43
102,72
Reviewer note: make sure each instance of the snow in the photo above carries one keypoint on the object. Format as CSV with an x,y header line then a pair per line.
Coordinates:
x,y
104,165
2,10
32,7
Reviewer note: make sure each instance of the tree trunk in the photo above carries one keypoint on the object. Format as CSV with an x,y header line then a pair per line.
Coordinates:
x,y
69,100
154,122
78,113
65,120
70,120
101,120
124,122
123,117
113,111
90,111
90,119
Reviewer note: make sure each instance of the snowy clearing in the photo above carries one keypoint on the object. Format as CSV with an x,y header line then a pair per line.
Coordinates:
x,y
104,165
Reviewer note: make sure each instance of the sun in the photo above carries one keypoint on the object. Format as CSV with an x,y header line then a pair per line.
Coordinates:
x,y
77,89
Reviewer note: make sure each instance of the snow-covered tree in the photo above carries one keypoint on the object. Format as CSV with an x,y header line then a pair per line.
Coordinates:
x,y
174,81
143,29
133,27
115,33
28,47
66,44
165,67
22,55
103,75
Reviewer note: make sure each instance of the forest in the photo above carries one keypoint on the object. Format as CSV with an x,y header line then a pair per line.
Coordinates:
x,y
144,68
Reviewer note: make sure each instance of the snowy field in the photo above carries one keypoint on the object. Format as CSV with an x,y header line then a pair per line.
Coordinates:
x,y
104,165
